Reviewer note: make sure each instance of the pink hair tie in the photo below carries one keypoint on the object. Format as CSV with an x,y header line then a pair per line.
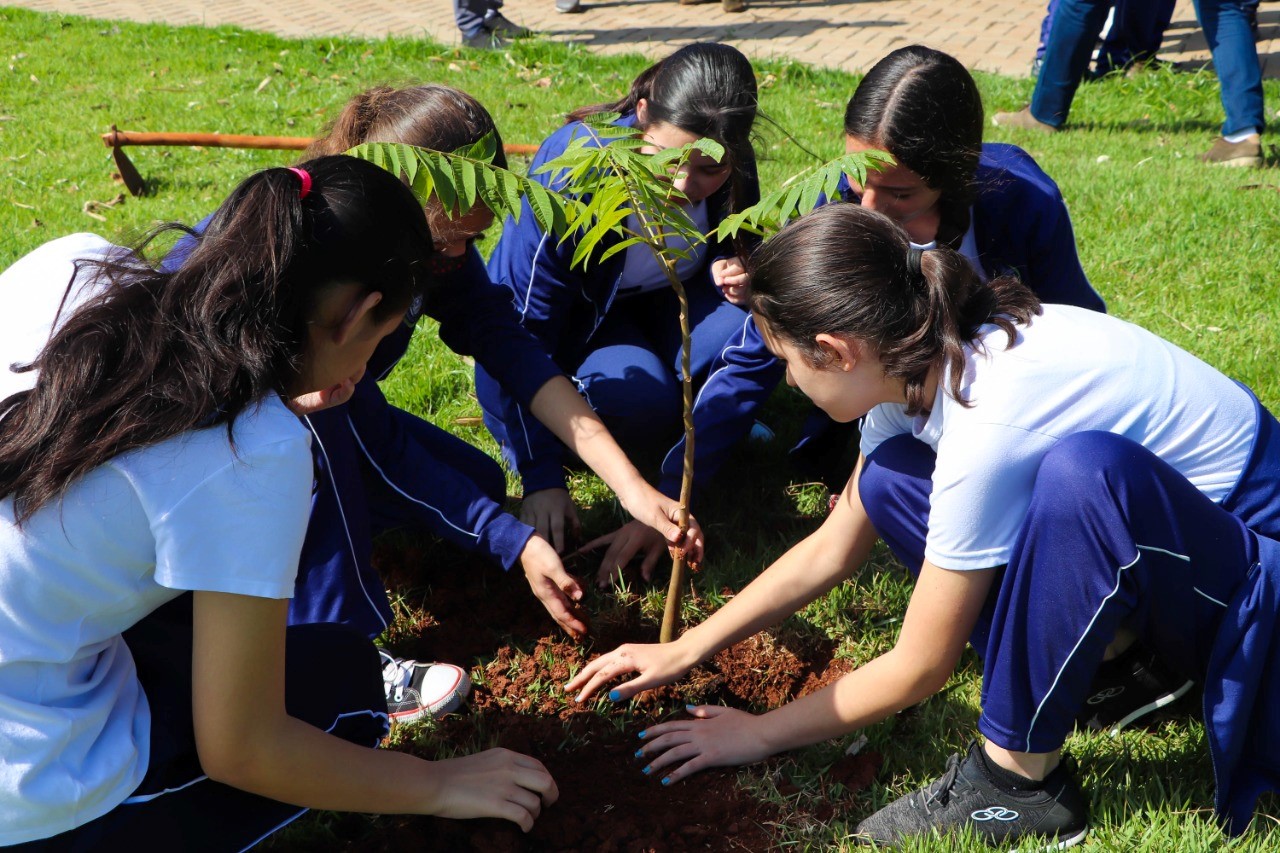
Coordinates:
x,y
306,181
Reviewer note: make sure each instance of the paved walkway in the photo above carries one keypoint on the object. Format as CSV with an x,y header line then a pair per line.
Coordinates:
x,y
991,35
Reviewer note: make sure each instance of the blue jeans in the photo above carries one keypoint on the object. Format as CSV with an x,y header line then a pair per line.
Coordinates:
x,y
1076,24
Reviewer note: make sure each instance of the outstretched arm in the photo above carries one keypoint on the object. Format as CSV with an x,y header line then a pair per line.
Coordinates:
x,y
810,569
559,405
246,739
943,610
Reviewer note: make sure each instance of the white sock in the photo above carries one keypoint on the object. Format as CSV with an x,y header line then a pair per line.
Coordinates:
x,y
1241,136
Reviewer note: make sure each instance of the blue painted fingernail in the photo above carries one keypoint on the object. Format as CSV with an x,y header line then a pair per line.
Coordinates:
x,y
643,733
691,708
639,753
615,695
666,780
646,770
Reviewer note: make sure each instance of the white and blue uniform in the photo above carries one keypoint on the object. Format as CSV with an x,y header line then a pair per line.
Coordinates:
x,y
95,720
1118,479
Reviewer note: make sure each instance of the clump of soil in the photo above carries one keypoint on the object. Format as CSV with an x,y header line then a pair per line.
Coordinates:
x,y
606,803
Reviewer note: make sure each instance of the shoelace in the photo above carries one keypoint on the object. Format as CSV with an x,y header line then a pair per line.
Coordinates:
x,y
397,674
939,793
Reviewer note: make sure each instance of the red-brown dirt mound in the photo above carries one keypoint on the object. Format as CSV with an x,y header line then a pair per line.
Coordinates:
x,y
472,612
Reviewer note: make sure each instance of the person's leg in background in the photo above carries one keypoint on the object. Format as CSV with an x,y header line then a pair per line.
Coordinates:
x,y
1235,58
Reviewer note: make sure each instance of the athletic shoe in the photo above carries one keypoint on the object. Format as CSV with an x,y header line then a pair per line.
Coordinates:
x,y
414,690
1127,688
505,27
967,800
485,39
569,7
1245,154
1022,119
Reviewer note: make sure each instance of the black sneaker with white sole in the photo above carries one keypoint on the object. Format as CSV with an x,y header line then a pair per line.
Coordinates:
x,y
967,800
1127,688
414,689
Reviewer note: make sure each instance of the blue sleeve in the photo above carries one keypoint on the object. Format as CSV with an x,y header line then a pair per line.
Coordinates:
x,y
1021,221
183,247
535,268
477,318
740,381
422,475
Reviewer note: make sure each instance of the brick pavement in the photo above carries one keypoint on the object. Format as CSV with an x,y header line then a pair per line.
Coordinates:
x,y
991,35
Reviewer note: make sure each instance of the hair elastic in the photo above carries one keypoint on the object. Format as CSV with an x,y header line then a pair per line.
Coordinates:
x,y
306,181
914,254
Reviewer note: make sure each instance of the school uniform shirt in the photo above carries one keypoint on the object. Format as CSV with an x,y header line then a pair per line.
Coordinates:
x,y
1020,226
1070,370
563,305
188,513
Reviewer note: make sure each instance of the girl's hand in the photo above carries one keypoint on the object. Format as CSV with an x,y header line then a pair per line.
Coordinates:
x,y
731,279
554,587
715,737
493,783
651,507
632,538
547,511
657,663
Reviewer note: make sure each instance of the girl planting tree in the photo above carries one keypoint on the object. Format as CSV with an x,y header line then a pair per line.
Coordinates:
x,y
614,325
1049,505
154,490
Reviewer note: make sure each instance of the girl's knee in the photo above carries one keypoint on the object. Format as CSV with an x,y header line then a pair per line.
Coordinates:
x,y
1085,459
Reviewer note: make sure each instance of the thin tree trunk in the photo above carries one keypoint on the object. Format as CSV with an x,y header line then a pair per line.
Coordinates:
x,y
679,567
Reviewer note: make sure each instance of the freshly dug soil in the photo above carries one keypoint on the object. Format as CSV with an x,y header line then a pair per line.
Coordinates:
x,y
606,804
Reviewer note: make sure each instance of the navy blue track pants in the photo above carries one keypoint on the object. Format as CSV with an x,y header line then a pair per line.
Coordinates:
x,y
1113,536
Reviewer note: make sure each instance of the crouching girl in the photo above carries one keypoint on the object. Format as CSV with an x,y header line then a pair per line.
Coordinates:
x,y
154,492
1057,480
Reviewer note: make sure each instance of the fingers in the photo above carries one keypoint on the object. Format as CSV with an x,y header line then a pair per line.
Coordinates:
x,y
557,604
599,542
651,558
620,552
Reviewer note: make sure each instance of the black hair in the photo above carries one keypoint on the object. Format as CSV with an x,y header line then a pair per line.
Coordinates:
x,y
922,106
157,353
707,89
844,269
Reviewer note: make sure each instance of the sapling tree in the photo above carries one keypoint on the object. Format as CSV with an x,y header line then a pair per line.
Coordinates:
x,y
610,196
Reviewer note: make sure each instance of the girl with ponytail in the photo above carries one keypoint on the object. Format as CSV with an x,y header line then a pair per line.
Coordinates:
x,y
154,494
1060,483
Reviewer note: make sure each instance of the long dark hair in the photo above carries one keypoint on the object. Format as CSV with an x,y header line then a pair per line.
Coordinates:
x,y
922,106
156,354
707,89
843,269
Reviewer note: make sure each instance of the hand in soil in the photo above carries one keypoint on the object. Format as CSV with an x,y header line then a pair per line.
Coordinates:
x,y
657,663
494,783
558,590
551,512
715,736
631,539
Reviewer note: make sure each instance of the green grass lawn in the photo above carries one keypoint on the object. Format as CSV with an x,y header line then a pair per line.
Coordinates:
x,y
1188,251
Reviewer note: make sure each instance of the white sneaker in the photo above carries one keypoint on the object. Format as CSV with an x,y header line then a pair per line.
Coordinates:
x,y
415,689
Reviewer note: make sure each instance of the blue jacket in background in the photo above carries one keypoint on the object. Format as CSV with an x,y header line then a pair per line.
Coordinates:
x,y
563,306
1020,226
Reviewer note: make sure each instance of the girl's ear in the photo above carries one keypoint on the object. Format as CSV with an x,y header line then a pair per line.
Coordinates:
x,y
359,309
642,112
842,352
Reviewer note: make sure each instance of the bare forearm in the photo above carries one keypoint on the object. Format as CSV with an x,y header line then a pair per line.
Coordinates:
x,y
299,764
561,408
812,568
865,696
